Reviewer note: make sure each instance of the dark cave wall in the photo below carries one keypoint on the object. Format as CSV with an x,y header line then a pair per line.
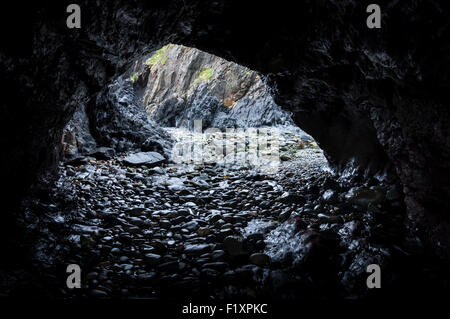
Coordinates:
x,y
375,98
48,70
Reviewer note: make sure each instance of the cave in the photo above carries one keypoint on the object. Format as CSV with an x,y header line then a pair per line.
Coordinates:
x,y
215,150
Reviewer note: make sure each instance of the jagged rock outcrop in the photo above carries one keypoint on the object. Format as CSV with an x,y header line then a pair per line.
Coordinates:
x,y
181,84
118,120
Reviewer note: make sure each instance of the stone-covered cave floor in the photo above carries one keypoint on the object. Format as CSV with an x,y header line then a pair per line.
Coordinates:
x,y
207,231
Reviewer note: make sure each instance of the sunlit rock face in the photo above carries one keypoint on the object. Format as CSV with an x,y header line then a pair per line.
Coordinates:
x,y
181,84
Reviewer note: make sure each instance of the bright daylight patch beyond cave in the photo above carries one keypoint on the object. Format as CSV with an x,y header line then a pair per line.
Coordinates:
x,y
199,95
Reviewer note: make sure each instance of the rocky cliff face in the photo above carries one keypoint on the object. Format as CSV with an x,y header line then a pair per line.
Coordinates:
x,y
181,84
371,98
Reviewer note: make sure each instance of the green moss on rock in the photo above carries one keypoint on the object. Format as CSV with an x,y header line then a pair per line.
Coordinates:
x,y
134,77
160,56
204,75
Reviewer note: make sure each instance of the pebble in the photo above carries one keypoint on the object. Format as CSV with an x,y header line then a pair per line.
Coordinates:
x,y
260,259
149,228
152,259
196,250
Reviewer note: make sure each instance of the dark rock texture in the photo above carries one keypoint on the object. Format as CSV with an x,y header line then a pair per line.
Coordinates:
x,y
375,99
120,121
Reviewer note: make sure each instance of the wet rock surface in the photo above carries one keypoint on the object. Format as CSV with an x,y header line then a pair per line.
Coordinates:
x,y
212,231
372,100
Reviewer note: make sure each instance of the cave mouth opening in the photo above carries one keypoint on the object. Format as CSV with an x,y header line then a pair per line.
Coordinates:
x,y
216,111
184,172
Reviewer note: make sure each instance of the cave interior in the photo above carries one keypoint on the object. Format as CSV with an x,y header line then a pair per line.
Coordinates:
x,y
337,157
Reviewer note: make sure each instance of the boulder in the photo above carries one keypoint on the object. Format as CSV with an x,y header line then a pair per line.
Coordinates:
x,y
149,159
103,153
150,145
77,161
365,196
